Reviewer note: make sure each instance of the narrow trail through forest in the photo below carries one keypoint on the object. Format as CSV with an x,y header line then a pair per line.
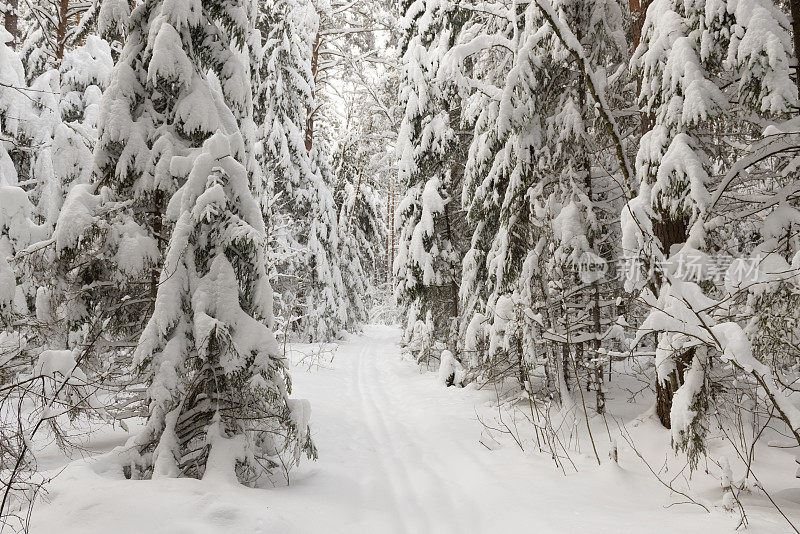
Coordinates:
x,y
399,454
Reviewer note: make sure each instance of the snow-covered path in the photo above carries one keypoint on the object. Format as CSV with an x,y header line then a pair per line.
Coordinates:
x,y
399,453
402,450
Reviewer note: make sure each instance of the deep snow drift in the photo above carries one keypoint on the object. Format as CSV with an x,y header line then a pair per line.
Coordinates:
x,y
401,453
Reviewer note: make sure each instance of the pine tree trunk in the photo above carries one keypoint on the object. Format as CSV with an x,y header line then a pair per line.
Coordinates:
x,y
592,357
638,10
158,228
11,19
389,234
61,30
454,111
355,200
665,391
670,231
312,111
600,395
453,268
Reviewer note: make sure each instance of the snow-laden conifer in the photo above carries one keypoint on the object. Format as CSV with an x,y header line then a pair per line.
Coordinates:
x,y
430,166
299,198
703,66
218,398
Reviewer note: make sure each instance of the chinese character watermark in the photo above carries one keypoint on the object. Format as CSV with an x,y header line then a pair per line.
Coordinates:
x,y
686,267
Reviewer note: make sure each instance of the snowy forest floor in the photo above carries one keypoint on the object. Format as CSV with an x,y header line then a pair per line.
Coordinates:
x,y
400,453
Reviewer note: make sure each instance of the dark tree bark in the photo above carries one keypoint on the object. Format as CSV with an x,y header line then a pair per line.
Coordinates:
x,y
11,20
638,8
669,230
665,391
390,235
313,110
61,29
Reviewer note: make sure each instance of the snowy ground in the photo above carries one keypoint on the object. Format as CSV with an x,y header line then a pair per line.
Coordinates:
x,y
401,453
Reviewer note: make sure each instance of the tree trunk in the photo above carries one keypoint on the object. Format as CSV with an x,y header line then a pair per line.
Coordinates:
x,y
453,267
61,30
355,200
591,356
638,9
389,234
312,111
11,19
670,231
158,228
665,390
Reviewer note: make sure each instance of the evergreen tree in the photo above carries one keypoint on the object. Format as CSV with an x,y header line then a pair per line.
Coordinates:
x,y
703,66
361,227
158,104
15,110
176,127
219,395
53,28
54,129
537,188
304,231
427,266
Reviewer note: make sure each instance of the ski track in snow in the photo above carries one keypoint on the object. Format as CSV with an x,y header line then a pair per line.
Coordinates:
x,y
417,475
399,454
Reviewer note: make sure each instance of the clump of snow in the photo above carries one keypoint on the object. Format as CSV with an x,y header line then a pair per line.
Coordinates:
x,y
113,16
58,362
681,414
169,60
451,372
224,453
77,214
136,250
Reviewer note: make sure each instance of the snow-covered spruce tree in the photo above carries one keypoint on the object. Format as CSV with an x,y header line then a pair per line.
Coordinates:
x,y
63,129
489,62
159,103
361,226
584,176
219,396
303,225
17,231
325,297
362,237
537,188
53,145
16,113
429,222
26,155
705,67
